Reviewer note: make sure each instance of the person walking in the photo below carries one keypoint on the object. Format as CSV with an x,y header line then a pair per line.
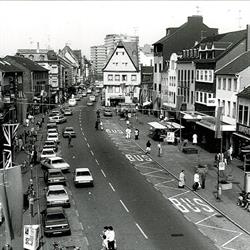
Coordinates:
x,y
69,140
148,147
196,181
96,125
230,152
195,138
182,179
136,134
203,180
159,149
101,125
111,238
129,133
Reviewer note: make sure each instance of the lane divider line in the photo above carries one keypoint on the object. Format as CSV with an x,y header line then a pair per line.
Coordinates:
x,y
77,213
231,241
146,237
97,162
85,138
124,206
111,186
92,152
180,194
81,226
88,145
103,173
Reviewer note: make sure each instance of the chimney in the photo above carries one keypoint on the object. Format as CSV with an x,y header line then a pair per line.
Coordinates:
x,y
37,47
195,18
248,37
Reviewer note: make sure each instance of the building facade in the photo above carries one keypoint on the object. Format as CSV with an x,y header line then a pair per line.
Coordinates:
x,y
121,75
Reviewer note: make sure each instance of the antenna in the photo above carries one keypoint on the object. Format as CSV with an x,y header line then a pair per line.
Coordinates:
x,y
197,10
239,19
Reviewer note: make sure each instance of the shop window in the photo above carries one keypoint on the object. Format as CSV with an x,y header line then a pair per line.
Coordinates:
x,y
245,115
240,113
228,108
219,83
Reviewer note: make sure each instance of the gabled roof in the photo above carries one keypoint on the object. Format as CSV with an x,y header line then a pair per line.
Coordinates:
x,y
8,67
237,65
245,93
29,64
132,51
78,54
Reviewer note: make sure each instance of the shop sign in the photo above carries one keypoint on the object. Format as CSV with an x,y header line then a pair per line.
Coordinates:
x,y
170,137
211,102
243,129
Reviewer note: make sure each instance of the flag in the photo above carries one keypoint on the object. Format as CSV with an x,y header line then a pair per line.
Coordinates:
x,y
11,195
218,123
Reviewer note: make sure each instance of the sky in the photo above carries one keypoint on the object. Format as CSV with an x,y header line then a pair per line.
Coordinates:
x,y
82,24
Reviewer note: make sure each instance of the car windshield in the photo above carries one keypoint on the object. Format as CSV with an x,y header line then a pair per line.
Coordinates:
x,y
58,161
48,152
57,192
55,174
83,173
69,129
59,216
52,136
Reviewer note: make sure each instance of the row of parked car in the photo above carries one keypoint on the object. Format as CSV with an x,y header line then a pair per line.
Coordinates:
x,y
55,219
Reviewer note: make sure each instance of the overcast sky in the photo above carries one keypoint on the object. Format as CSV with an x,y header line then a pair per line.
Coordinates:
x,y
82,24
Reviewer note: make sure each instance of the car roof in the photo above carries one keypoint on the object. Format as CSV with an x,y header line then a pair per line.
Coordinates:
x,y
52,210
48,149
56,187
82,169
69,128
52,170
55,158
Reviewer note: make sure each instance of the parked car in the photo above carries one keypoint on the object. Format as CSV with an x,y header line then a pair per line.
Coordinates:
x,y
67,131
53,137
89,91
54,177
67,111
51,125
83,176
58,119
92,98
78,97
107,112
52,131
55,222
55,112
57,195
50,144
47,153
55,163
72,102
89,103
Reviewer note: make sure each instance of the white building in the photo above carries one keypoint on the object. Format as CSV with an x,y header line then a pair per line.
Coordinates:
x,y
111,41
98,57
121,75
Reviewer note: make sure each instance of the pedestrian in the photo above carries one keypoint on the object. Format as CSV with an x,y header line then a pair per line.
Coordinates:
x,y
127,133
203,179
148,147
111,238
20,143
196,181
101,125
127,122
69,140
181,183
195,138
230,152
96,125
27,121
35,156
136,134
159,149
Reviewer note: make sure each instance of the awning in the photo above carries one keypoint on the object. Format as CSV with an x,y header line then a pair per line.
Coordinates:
x,y
156,125
242,136
173,125
210,124
146,103
117,97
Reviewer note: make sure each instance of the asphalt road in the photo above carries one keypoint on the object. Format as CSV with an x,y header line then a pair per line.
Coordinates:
x,y
121,197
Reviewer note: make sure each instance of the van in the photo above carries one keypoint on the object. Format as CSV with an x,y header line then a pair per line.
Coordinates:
x,y
72,102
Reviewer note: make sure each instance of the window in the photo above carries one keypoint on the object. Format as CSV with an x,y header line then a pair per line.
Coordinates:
x,y
117,77
223,107
159,67
234,110
124,77
197,96
160,88
110,77
117,89
192,75
155,86
240,113
197,75
205,97
155,67
210,75
229,86
133,77
192,97
123,53
235,85
116,53
228,108
42,57
224,84
219,83
201,76
245,115
205,75
219,103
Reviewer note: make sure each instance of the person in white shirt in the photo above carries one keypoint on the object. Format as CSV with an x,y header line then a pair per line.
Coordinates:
x,y
196,181
111,238
195,137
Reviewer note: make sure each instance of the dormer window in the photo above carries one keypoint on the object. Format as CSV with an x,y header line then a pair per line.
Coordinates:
x,y
41,57
31,57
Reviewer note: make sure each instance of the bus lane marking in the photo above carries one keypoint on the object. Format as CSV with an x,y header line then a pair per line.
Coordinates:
x,y
235,237
155,171
198,222
140,158
163,181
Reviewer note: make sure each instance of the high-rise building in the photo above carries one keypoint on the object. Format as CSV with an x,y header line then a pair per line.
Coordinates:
x,y
98,56
111,41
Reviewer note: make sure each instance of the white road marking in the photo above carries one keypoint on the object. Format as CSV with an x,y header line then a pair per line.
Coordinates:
x,y
77,213
205,218
97,162
219,228
124,206
85,138
141,231
231,241
179,194
81,128
162,181
159,170
92,152
81,226
111,186
88,145
103,173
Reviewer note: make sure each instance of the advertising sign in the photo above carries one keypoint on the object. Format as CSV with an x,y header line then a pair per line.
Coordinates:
x,y
170,137
31,235
221,165
212,102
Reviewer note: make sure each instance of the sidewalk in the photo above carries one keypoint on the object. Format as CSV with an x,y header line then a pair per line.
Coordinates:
x,y
174,161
